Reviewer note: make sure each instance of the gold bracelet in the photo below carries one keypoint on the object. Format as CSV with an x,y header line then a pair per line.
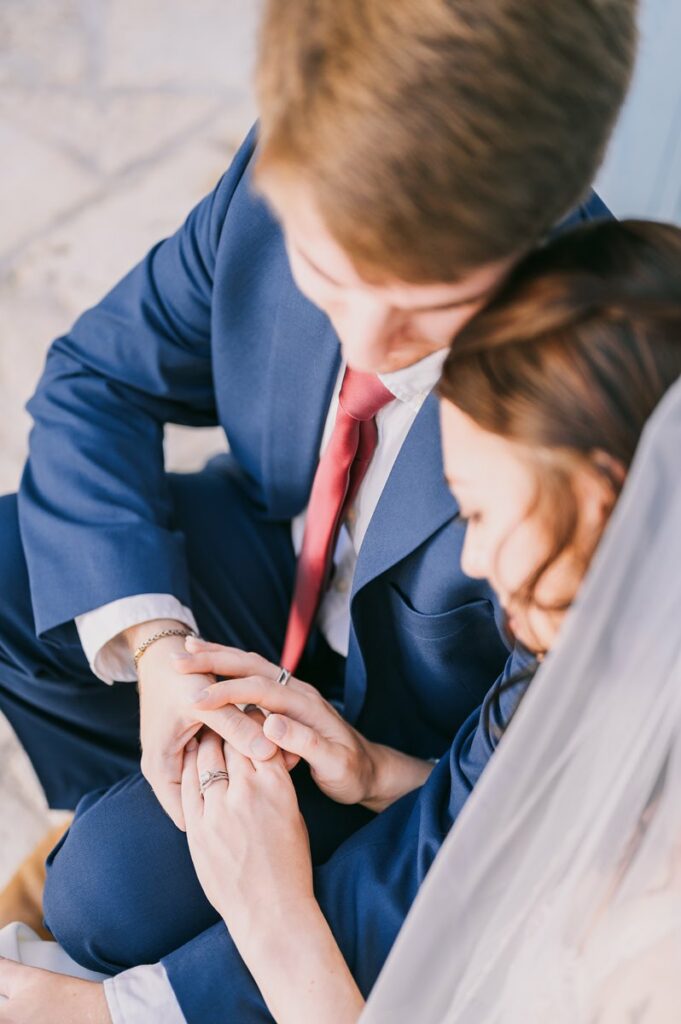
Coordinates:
x,y
159,636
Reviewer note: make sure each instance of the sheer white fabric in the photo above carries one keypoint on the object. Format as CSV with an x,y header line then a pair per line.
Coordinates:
x,y
557,896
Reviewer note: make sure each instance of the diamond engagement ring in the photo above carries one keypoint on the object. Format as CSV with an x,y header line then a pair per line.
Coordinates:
x,y
283,677
207,778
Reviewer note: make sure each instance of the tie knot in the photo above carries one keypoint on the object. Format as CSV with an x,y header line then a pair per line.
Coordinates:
x,y
363,394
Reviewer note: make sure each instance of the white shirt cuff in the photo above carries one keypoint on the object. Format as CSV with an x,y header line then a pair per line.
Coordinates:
x,y
142,994
100,631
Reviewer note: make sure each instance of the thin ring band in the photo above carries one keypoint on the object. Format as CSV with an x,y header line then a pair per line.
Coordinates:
x,y
207,778
283,677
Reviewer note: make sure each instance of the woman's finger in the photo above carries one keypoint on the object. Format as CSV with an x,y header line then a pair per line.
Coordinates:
x,y
292,699
211,758
192,801
228,661
239,730
257,715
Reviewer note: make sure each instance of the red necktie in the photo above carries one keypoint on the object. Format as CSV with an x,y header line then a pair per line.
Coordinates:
x,y
339,474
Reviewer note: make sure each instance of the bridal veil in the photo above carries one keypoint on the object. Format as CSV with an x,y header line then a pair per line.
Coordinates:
x,y
557,895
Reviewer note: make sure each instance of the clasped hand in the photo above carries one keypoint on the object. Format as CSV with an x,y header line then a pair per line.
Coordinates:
x,y
299,720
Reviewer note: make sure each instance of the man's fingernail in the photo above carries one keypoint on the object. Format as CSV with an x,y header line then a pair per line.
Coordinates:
x,y
276,727
262,747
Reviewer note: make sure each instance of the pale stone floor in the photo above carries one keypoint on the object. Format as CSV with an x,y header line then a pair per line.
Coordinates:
x,y
116,116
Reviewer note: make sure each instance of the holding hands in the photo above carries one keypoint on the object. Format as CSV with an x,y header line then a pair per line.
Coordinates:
x,y
299,720
168,719
345,765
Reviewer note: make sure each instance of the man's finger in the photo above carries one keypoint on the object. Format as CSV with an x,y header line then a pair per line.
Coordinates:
x,y
164,777
240,731
300,739
238,766
169,796
192,801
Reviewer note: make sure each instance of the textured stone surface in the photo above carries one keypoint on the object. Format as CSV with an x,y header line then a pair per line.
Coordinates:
x,y
116,117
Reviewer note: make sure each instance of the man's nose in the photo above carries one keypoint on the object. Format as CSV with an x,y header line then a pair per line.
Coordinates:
x,y
363,324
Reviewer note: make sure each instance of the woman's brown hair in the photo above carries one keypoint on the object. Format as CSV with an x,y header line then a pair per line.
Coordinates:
x,y
573,355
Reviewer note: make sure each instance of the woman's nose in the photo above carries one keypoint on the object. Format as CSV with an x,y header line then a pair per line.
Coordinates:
x,y
472,558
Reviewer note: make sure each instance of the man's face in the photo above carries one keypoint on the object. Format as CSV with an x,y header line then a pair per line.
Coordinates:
x,y
381,327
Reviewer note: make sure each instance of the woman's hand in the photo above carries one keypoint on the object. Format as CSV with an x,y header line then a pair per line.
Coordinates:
x,y
249,846
247,837
342,762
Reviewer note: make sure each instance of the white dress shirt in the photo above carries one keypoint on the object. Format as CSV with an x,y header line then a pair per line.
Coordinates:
x,y
144,993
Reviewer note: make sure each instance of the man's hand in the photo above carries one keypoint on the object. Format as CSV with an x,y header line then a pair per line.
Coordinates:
x,y
345,765
168,719
43,997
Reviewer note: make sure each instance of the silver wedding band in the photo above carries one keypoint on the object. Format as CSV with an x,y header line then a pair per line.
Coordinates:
x,y
207,778
283,677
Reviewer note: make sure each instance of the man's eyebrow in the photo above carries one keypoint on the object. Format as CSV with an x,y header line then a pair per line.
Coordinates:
x,y
430,307
452,303
314,266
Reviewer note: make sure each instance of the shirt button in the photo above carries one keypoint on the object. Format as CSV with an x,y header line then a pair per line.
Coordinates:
x,y
342,585
351,517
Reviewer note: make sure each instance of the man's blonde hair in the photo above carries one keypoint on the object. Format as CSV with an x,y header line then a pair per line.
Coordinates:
x,y
439,136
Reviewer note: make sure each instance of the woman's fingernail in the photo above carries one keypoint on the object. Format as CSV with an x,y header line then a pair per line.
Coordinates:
x,y
276,727
193,641
193,743
179,655
262,747
202,696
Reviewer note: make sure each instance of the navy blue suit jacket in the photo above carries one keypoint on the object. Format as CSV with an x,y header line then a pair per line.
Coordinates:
x,y
210,329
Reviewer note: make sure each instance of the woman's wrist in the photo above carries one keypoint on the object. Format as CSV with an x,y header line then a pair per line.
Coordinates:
x,y
391,775
297,964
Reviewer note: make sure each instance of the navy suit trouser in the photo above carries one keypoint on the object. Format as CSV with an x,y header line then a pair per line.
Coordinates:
x,y
107,896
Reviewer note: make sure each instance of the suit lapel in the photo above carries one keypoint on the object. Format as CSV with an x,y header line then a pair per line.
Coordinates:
x,y
303,370
415,501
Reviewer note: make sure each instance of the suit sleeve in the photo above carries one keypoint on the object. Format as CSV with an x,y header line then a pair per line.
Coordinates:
x,y
94,508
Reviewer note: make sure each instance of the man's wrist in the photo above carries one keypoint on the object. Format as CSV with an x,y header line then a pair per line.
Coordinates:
x,y
136,635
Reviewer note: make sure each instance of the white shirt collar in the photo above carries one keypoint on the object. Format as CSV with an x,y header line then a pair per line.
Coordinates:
x,y
412,384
